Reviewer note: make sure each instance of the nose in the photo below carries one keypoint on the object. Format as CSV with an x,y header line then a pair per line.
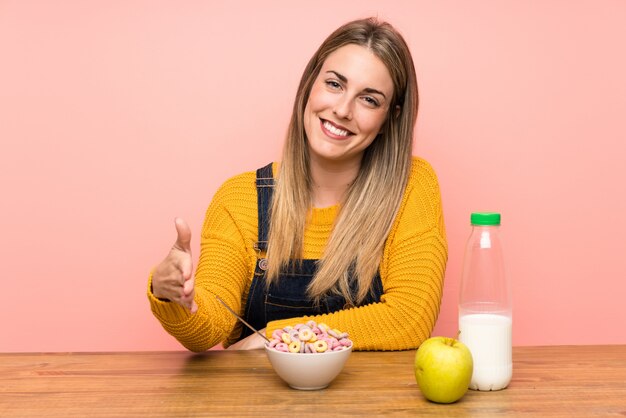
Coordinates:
x,y
343,107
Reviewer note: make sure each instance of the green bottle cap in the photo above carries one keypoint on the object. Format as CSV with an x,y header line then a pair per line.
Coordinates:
x,y
485,218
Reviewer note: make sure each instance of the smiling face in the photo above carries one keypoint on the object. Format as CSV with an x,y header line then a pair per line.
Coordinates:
x,y
347,106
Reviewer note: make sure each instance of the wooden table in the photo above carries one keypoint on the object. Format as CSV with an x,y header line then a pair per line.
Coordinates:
x,y
560,381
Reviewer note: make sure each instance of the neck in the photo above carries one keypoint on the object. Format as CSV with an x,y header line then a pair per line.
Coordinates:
x,y
331,182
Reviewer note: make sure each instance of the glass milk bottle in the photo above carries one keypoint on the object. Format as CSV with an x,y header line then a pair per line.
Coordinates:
x,y
485,308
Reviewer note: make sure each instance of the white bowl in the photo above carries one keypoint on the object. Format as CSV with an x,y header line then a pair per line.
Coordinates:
x,y
308,371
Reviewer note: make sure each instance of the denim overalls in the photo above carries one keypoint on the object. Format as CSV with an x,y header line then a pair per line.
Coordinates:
x,y
287,297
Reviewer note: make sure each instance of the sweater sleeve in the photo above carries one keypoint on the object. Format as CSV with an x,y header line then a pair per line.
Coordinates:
x,y
223,268
412,272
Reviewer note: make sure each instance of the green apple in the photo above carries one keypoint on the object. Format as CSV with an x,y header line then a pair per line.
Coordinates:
x,y
443,369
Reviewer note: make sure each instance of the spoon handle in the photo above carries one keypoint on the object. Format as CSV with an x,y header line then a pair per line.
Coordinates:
x,y
240,318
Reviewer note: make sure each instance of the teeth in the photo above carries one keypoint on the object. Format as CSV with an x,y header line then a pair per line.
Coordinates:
x,y
335,130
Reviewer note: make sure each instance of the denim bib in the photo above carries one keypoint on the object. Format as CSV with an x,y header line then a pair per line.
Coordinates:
x,y
287,297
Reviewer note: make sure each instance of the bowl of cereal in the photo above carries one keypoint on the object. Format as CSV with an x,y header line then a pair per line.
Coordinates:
x,y
308,356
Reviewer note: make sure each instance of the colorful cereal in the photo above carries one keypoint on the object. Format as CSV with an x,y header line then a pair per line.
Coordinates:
x,y
309,338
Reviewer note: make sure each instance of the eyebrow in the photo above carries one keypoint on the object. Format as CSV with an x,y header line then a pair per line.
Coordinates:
x,y
344,79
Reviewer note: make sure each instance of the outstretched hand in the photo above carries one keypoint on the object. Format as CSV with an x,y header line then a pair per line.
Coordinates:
x,y
173,278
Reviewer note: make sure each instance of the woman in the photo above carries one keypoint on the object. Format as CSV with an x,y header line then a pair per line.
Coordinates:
x,y
351,231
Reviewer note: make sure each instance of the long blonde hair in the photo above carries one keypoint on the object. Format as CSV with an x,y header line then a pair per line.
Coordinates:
x,y
366,216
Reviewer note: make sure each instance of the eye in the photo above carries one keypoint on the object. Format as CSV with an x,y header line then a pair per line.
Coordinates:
x,y
333,84
371,101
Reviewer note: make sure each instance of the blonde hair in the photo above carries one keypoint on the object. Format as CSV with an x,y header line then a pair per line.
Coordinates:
x,y
366,216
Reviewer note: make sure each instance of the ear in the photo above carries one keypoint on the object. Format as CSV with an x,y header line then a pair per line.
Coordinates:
x,y
396,111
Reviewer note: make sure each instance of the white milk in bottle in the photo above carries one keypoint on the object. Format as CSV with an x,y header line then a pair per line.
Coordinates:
x,y
488,336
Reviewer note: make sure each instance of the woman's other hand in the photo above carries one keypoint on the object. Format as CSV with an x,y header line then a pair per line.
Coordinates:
x,y
251,342
173,278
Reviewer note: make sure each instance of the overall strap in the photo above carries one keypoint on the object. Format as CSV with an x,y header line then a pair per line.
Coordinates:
x,y
264,190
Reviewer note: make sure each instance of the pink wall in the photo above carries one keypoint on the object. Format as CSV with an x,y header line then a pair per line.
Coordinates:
x,y
115,117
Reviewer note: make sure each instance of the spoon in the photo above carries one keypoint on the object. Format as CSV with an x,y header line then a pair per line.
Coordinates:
x,y
240,318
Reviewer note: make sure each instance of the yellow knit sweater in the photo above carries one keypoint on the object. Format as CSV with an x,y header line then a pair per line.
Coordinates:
x,y
412,270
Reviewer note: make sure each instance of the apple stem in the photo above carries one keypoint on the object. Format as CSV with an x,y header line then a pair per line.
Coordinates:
x,y
450,341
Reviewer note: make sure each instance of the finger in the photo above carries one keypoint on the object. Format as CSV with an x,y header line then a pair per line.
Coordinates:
x,y
184,265
188,302
183,238
188,287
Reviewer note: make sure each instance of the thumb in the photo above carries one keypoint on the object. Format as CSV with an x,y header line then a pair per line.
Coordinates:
x,y
183,239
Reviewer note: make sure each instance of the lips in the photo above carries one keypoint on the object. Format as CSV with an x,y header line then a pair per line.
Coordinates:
x,y
334,131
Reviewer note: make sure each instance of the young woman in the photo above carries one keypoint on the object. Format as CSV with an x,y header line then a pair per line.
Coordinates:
x,y
347,229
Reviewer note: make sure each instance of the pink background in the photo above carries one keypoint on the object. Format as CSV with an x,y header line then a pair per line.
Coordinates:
x,y
115,117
